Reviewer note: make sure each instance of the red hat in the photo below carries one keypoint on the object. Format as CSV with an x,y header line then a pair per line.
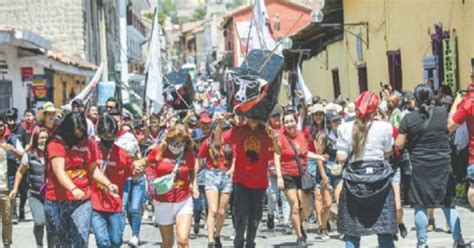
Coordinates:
x,y
366,104
205,117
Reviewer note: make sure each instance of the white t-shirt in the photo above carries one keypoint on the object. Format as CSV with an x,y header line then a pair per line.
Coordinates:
x,y
379,140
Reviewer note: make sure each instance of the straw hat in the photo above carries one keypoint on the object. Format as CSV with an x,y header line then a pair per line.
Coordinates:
x,y
48,107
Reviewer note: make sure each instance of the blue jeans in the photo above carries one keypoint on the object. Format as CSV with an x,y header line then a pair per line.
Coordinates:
x,y
37,210
133,197
421,223
108,229
385,241
68,223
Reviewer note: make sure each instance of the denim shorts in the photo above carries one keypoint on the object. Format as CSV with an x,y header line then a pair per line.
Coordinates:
x,y
333,180
218,180
470,173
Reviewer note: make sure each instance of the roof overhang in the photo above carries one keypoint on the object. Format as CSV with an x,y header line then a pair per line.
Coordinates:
x,y
24,39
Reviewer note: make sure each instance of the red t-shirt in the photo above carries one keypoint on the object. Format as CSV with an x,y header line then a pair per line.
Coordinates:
x,y
165,165
220,163
78,160
465,113
119,168
289,166
253,151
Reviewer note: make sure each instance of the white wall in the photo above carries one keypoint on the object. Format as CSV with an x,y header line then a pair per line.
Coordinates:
x,y
19,89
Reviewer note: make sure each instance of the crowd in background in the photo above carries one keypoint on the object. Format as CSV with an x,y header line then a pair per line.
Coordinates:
x,y
86,169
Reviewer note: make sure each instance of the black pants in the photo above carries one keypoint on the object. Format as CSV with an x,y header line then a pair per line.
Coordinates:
x,y
247,211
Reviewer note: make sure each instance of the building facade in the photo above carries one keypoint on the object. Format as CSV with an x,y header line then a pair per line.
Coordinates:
x,y
285,18
401,43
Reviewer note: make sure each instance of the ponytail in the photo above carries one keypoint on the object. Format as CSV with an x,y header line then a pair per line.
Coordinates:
x,y
359,136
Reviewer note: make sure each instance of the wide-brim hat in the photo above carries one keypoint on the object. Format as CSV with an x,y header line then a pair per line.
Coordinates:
x,y
316,108
48,107
333,107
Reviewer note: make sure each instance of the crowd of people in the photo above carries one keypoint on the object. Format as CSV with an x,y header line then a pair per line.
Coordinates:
x,y
87,170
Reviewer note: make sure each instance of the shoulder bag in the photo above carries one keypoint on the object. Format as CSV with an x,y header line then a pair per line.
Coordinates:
x,y
308,182
164,183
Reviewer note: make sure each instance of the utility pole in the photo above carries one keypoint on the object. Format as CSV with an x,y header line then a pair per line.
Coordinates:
x,y
123,48
103,40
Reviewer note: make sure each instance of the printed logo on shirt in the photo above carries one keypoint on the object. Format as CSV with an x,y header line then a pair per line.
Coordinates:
x,y
252,148
173,161
79,149
109,163
178,183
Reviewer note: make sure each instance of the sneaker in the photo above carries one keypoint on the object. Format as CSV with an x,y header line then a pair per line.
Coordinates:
x,y
422,246
325,235
287,230
431,225
15,220
403,230
196,228
461,244
134,241
270,222
217,241
211,245
301,242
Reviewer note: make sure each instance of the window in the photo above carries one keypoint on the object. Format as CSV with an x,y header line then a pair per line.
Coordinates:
x,y
362,76
395,69
335,83
5,94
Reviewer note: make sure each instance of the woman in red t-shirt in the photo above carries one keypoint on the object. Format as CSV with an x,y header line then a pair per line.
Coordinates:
x,y
116,164
289,171
219,169
175,206
71,166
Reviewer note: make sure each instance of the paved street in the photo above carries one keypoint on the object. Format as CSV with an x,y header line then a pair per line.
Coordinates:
x,y
23,234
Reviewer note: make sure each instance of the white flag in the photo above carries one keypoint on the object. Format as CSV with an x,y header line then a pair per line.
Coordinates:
x,y
86,93
263,37
154,82
301,86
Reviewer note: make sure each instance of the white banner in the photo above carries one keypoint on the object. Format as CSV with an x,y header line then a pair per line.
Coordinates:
x,y
86,93
301,86
154,80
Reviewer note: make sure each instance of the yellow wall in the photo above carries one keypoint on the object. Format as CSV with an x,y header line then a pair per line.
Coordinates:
x,y
71,83
393,24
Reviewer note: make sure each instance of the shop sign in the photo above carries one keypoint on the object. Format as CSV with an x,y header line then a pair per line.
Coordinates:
x,y
40,90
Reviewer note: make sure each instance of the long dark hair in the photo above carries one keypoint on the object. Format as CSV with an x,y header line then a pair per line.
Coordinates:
x,y
314,129
424,99
66,130
107,124
34,139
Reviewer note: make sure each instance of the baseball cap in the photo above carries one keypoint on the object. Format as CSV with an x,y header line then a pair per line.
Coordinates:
x,y
205,117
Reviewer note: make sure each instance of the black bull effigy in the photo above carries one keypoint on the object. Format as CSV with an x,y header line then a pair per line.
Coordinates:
x,y
255,85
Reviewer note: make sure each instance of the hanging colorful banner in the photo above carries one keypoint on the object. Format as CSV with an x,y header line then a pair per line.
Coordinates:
x,y
40,90
449,63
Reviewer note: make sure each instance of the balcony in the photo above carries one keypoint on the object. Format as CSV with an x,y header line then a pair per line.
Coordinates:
x,y
134,21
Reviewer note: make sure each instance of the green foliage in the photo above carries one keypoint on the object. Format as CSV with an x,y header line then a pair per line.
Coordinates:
x,y
199,14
